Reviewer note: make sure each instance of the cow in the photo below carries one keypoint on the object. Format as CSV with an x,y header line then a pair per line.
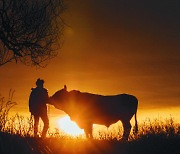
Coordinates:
x,y
87,109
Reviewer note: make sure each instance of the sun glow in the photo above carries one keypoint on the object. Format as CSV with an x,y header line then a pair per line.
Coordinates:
x,y
69,127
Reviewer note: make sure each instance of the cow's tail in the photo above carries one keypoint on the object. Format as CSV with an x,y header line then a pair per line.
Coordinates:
x,y
135,117
136,124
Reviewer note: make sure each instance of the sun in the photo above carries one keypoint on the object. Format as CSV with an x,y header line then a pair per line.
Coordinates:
x,y
69,127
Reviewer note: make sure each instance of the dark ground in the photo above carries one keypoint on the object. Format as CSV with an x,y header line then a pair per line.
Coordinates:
x,y
145,145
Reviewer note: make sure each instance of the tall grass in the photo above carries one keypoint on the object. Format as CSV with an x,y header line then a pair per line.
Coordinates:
x,y
5,106
16,136
23,126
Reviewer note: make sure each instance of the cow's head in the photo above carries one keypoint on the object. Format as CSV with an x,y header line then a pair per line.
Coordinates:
x,y
59,98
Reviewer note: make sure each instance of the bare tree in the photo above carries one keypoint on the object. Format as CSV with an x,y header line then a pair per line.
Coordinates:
x,y
30,30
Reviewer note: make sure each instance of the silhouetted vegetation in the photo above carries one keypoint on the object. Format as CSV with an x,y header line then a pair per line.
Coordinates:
x,y
150,143
156,136
5,106
29,30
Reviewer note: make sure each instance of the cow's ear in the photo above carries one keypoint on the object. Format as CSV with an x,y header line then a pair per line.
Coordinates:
x,y
65,87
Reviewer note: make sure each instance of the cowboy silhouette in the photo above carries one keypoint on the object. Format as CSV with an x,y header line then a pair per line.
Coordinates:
x,y
37,106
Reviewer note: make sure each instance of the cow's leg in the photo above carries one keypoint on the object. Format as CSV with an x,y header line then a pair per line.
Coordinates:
x,y
88,131
127,129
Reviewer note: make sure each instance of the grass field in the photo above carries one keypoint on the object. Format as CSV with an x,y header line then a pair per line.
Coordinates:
x,y
153,137
158,136
150,143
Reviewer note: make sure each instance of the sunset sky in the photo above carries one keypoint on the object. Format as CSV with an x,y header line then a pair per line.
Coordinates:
x,y
111,47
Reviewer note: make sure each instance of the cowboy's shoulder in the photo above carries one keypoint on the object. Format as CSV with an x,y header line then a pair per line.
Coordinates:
x,y
46,90
32,89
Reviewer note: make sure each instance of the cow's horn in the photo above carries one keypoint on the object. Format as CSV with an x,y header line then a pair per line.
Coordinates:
x,y
65,87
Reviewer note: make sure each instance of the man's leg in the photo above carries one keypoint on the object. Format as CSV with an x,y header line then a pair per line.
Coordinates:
x,y
45,120
36,122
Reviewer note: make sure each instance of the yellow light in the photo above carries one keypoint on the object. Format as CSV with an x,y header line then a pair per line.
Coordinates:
x,y
69,127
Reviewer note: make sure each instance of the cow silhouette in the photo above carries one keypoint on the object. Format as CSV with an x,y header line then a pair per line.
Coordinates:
x,y
87,109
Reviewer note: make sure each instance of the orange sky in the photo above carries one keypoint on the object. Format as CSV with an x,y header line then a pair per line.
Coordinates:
x,y
111,47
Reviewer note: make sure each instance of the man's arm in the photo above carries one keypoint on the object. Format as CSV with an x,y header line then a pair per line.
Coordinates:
x,y
46,97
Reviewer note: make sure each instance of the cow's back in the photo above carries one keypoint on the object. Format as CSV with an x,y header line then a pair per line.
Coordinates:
x,y
116,107
122,101
114,103
104,109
